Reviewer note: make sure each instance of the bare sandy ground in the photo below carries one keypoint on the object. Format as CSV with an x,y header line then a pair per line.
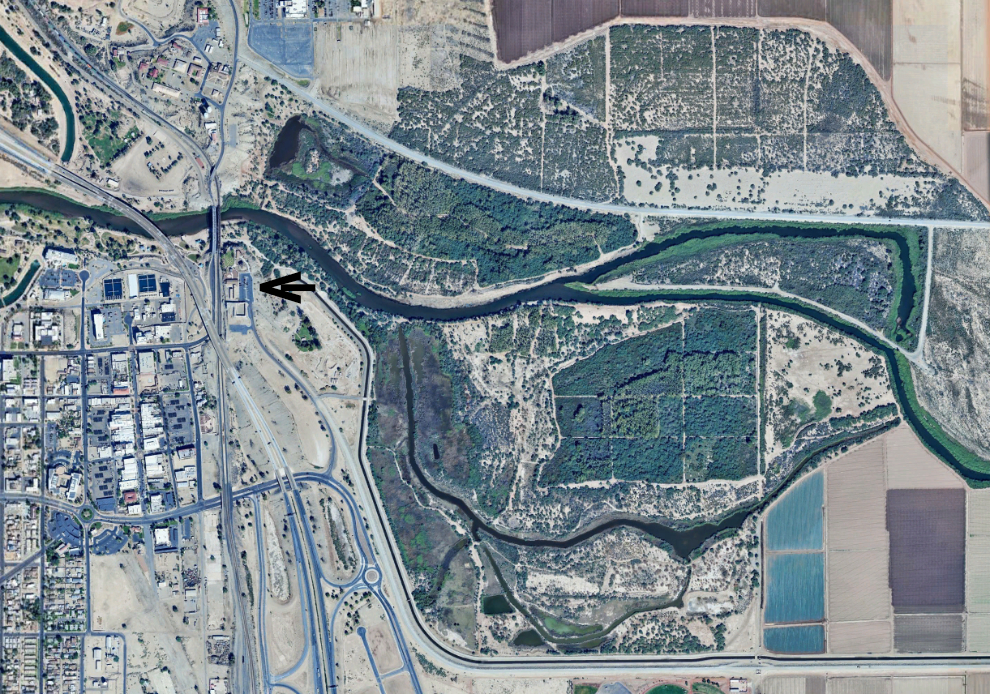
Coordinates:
x,y
213,571
911,466
799,373
284,624
361,70
293,419
355,673
399,684
336,367
157,15
137,180
347,415
127,596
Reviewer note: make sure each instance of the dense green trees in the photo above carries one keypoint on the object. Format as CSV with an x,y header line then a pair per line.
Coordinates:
x,y
432,214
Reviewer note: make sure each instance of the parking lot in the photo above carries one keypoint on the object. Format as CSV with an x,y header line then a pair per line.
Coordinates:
x,y
178,415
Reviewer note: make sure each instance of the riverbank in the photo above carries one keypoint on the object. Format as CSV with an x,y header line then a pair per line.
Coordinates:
x,y
975,469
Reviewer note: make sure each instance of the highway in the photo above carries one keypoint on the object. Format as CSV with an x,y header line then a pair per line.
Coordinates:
x,y
368,574
266,69
404,616
371,575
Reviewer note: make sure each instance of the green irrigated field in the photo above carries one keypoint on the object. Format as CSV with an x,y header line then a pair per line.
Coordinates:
x,y
675,404
8,269
105,137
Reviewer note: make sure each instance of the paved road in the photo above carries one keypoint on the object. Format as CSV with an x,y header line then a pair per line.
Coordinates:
x,y
407,617
81,62
386,142
20,566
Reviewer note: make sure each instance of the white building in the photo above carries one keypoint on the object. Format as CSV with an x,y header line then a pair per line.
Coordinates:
x,y
75,487
129,475
154,467
60,258
98,330
146,363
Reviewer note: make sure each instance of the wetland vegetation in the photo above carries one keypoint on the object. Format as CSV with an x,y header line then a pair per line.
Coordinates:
x,y
430,538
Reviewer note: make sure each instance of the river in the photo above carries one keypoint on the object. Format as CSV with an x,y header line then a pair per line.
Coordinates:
x,y
684,540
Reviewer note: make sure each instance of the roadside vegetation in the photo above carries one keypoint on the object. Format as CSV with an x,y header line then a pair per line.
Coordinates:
x,y
305,337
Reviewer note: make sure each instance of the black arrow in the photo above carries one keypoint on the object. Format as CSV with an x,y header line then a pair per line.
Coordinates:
x,y
279,287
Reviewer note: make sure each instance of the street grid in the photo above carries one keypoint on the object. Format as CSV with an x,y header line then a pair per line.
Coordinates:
x,y
369,578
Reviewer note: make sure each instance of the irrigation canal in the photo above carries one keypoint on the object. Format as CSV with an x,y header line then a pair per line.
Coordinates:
x,y
70,121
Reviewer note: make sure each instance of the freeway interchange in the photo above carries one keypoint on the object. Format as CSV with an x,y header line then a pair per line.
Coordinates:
x,y
374,539
380,568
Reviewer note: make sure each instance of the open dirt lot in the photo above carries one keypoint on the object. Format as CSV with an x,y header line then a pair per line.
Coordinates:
x,y
347,415
293,419
858,685
928,96
216,615
857,500
978,554
858,556
336,367
127,596
911,466
136,179
928,685
975,65
400,684
859,637
157,15
361,70
383,647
